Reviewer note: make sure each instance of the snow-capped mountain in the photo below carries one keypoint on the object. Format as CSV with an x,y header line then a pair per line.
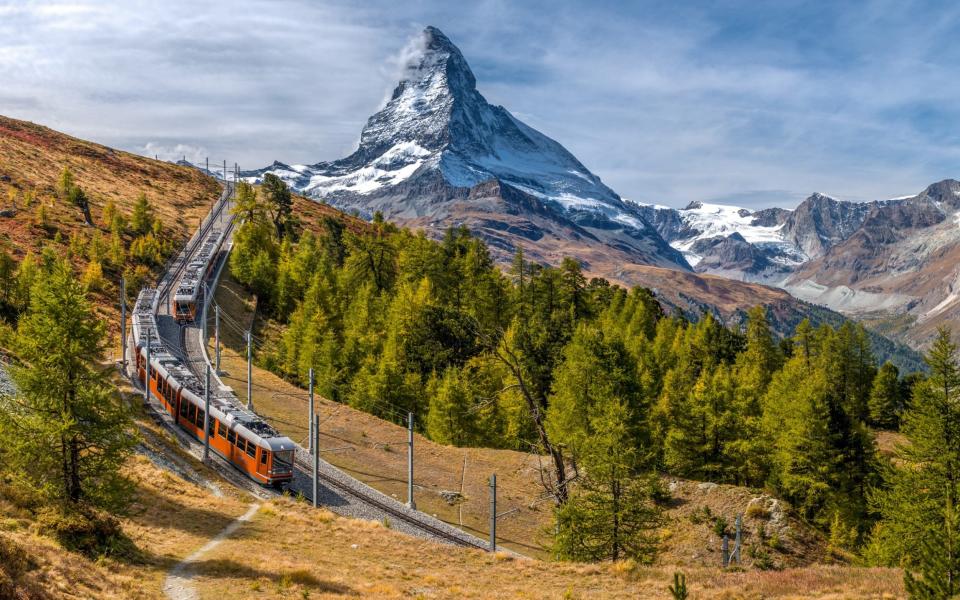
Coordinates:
x,y
705,233
896,259
439,153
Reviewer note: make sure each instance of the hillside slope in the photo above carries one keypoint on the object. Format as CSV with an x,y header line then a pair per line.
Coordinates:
x,y
33,156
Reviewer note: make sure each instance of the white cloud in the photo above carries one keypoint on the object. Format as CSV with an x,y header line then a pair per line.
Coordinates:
x,y
195,154
666,102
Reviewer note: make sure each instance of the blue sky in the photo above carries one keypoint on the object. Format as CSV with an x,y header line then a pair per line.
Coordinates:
x,y
745,103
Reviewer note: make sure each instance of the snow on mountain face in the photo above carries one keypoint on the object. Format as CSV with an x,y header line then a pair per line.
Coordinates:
x,y
437,119
437,136
700,226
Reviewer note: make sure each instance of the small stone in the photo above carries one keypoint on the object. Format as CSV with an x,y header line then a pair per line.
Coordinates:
x,y
706,487
452,498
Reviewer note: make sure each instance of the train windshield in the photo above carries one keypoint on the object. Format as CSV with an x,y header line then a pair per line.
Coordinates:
x,y
283,461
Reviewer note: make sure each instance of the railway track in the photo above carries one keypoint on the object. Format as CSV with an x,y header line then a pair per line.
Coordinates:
x,y
338,488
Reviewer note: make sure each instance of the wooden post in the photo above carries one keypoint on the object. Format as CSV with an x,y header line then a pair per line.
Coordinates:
x,y
493,513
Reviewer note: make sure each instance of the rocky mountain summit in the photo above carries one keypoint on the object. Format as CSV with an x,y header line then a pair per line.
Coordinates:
x,y
438,153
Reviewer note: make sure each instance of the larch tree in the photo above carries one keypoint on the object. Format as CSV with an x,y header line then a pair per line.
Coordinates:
x,y
597,413
67,428
280,201
885,401
142,219
918,505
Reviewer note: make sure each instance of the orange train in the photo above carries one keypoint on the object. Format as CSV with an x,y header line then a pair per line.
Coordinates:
x,y
190,287
236,434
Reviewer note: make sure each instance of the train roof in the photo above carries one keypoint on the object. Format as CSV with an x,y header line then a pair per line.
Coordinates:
x,y
195,271
224,405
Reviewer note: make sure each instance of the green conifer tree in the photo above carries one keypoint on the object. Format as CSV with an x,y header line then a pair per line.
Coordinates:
x,y
68,429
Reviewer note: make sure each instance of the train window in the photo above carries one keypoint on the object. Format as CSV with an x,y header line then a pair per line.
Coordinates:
x,y
263,457
183,408
192,413
251,449
212,428
231,437
241,443
221,429
200,416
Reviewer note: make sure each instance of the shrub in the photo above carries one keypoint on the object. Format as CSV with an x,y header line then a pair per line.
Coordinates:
x,y
86,531
720,526
757,511
14,563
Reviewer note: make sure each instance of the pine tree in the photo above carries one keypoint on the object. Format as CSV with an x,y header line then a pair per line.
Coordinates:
x,y
109,213
885,403
610,516
65,184
92,280
280,201
918,526
142,219
8,270
449,417
247,206
67,429
937,562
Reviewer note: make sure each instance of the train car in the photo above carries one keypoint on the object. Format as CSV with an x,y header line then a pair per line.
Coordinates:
x,y
190,287
238,435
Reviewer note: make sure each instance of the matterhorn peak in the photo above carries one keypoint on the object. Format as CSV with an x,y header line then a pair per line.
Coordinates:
x,y
432,61
437,135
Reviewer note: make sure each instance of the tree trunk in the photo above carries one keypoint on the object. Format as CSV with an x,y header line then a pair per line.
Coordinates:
x,y
75,489
534,406
615,493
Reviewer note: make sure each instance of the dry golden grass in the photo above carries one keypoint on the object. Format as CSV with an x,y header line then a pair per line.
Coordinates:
x,y
290,550
32,158
318,555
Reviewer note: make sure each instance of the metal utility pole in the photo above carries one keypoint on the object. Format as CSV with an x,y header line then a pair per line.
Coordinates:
x,y
315,442
224,170
736,544
123,325
493,513
249,372
208,165
310,443
206,416
146,379
216,334
203,316
410,501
